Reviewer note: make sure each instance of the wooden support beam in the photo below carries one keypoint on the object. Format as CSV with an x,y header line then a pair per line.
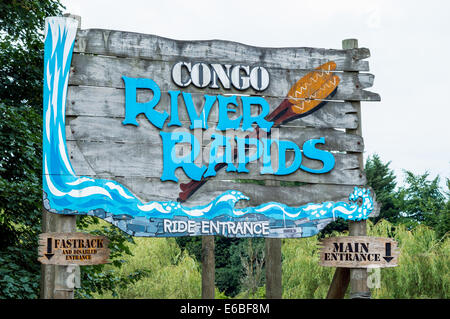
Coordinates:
x,y
339,284
274,289
58,282
208,267
358,277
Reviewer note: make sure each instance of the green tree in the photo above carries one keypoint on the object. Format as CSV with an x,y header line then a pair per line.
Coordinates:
x,y
21,51
21,61
444,218
192,244
21,78
228,265
422,201
382,180
253,260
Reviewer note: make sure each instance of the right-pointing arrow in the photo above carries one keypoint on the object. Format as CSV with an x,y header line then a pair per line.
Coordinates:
x,y
388,256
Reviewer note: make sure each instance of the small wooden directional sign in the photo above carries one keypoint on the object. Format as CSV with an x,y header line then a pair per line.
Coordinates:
x,y
73,249
358,252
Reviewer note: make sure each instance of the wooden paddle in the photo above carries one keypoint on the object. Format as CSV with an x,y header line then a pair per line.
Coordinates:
x,y
306,96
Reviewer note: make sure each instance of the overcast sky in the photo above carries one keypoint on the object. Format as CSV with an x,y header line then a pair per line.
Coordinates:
x,y
409,43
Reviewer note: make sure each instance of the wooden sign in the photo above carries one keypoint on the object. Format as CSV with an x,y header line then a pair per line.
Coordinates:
x,y
163,137
73,249
358,252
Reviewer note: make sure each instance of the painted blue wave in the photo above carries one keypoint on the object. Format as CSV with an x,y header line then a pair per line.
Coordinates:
x,y
67,193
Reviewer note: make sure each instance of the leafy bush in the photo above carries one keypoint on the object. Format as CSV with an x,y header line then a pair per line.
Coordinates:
x,y
302,276
99,279
423,265
170,271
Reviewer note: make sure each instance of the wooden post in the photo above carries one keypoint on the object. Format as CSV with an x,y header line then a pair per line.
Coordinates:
x,y
339,284
274,288
208,267
358,277
343,276
58,282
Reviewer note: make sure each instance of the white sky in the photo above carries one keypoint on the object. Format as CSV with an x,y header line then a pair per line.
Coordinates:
x,y
409,43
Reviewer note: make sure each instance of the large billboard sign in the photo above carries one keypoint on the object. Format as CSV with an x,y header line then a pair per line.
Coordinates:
x,y
180,138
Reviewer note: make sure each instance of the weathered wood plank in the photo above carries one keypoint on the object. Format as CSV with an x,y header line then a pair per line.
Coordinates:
x,y
147,46
110,102
358,252
71,248
90,70
358,277
101,147
86,128
151,189
121,159
146,189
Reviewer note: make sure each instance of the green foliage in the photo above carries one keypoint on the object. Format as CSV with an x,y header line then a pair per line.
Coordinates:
x,y
21,61
443,221
302,275
20,202
423,270
18,277
20,195
220,294
170,271
423,202
193,244
259,293
252,261
420,201
228,264
21,73
382,180
238,264
100,279
21,50
423,265
339,225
